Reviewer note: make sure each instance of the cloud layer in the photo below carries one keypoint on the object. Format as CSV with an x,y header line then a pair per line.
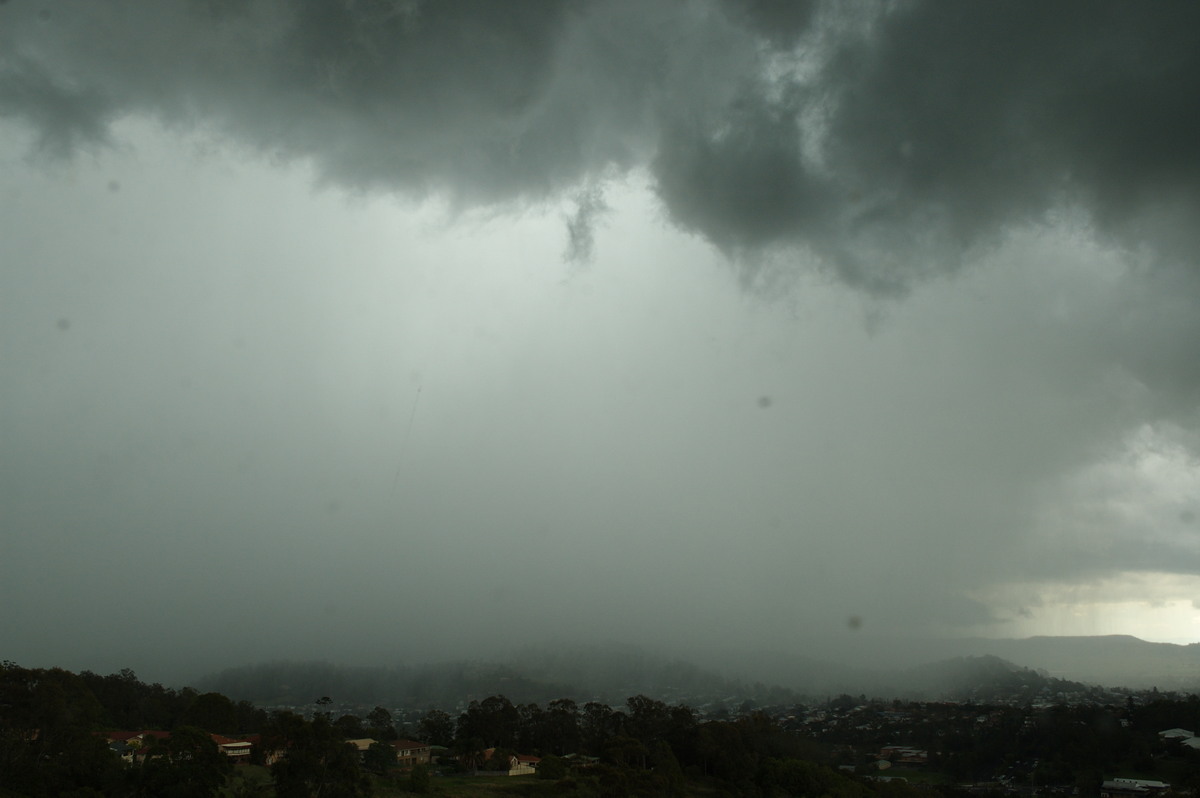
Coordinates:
x,y
967,368
879,138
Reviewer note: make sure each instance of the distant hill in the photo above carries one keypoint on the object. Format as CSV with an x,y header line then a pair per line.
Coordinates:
x,y
612,673
880,666
608,673
434,685
973,667
981,679
1111,660
619,671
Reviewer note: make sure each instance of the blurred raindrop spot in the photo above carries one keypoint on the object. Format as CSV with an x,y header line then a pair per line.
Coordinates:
x,y
114,186
63,324
1187,517
854,622
764,402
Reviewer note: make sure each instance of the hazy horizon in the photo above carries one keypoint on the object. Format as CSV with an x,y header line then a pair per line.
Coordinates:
x,y
397,331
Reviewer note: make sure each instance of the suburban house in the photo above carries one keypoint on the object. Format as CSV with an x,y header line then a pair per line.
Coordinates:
x,y
237,750
136,746
411,752
518,765
902,754
1182,736
361,745
408,752
1128,788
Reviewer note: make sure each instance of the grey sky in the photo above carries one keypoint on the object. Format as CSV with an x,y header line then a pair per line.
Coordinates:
x,y
713,321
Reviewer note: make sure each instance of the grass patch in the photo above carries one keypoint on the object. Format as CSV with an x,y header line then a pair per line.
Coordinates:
x,y
248,780
914,776
471,786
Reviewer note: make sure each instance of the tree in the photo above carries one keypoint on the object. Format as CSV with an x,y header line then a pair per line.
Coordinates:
x,y
532,730
436,727
681,733
501,759
187,764
494,721
552,768
625,751
212,712
597,723
380,757
648,719
470,751
562,726
722,751
418,779
667,769
63,755
318,762
350,727
379,722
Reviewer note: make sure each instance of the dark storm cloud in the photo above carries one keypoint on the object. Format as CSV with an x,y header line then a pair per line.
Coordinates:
x,y
887,143
425,91
982,115
943,125
67,117
742,184
909,136
780,21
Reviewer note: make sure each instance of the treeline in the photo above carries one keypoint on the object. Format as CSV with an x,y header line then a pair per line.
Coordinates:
x,y
646,748
1075,746
1072,747
52,743
54,728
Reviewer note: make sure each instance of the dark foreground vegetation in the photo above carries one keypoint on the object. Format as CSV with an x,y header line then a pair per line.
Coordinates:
x,y
57,734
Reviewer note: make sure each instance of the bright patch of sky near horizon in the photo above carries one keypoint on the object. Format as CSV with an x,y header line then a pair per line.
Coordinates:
x,y
219,363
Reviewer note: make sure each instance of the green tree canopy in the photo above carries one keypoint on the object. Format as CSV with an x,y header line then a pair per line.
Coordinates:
x,y
380,757
436,727
318,762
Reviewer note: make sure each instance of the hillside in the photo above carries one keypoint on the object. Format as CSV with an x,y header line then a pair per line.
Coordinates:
x,y
612,674
535,675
